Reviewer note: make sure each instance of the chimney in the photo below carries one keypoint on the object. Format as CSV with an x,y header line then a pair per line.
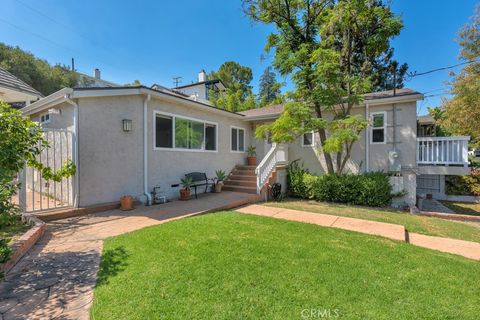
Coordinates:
x,y
202,76
96,73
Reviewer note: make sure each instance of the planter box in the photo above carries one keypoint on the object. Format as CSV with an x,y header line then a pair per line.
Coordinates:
x,y
21,246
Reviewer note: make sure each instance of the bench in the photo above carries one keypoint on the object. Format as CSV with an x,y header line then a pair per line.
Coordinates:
x,y
198,179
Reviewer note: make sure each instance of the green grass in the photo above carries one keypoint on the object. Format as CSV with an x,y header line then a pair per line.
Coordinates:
x,y
413,223
12,227
234,266
463,207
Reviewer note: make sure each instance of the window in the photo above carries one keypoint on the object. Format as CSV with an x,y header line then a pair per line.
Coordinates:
x,y
183,133
238,139
379,126
163,131
45,118
307,140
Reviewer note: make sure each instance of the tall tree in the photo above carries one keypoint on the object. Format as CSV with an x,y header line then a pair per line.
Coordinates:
x,y
387,73
238,94
461,114
38,73
269,88
329,48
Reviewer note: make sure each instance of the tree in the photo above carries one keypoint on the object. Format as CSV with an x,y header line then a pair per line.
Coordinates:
x,y
461,114
269,90
329,48
387,74
238,94
37,73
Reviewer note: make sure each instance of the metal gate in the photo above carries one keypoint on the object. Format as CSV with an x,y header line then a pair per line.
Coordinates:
x,y
39,194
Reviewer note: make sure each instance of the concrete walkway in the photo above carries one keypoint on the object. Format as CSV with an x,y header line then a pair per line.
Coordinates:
x,y
467,249
432,205
55,280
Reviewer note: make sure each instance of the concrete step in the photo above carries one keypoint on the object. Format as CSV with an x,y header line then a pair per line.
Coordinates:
x,y
251,190
241,183
246,177
245,167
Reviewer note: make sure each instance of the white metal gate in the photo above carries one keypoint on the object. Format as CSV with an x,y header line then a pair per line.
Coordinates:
x,y
39,194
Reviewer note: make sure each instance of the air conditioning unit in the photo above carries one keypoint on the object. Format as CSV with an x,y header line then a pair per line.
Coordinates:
x,y
394,163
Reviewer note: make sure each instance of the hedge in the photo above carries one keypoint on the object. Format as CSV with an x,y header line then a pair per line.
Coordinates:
x,y
464,185
369,189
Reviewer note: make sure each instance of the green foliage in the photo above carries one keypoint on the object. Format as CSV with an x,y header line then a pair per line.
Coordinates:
x,y
186,182
464,185
36,72
269,88
220,175
238,94
5,250
370,189
251,151
474,161
461,114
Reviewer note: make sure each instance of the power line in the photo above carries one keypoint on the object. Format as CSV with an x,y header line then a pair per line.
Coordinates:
x,y
416,74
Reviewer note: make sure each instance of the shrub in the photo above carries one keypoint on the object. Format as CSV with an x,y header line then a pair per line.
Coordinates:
x,y
4,250
370,189
464,185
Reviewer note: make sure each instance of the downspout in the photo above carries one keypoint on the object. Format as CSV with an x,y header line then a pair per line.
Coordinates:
x,y
367,138
145,149
394,128
75,149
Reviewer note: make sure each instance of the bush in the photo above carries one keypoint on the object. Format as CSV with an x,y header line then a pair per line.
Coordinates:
x,y
5,250
464,185
370,189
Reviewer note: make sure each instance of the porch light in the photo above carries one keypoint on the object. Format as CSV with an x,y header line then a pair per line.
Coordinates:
x,y
127,125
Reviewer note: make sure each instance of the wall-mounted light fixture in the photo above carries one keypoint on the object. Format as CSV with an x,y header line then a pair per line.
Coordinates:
x,y
127,125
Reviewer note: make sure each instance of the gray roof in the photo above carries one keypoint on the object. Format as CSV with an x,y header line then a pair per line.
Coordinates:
x,y
278,109
426,119
9,81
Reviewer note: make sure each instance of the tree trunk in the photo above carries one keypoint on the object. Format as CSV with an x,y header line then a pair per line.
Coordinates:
x,y
323,136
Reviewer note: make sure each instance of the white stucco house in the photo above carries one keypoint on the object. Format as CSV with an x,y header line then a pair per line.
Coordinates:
x,y
128,140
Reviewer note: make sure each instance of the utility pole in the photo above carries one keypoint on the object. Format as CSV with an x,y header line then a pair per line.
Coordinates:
x,y
177,81
73,65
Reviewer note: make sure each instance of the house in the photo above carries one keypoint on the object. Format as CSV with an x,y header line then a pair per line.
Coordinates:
x,y
15,91
128,140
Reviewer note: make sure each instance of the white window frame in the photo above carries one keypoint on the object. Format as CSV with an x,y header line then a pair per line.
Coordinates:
x,y
313,139
173,148
44,115
244,137
372,114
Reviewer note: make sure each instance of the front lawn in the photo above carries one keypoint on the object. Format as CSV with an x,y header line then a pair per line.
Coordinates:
x,y
413,223
234,266
463,207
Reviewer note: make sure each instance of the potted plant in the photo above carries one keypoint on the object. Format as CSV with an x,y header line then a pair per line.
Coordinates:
x,y
126,202
185,191
219,180
251,156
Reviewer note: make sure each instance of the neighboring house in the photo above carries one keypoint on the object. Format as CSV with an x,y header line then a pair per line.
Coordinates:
x,y
127,140
16,92
199,90
95,81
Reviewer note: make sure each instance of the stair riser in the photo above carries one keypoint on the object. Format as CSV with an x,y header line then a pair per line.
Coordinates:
x,y
240,189
243,177
248,172
241,183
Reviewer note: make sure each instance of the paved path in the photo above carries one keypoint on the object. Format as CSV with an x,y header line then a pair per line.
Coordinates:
x,y
55,280
467,249
432,205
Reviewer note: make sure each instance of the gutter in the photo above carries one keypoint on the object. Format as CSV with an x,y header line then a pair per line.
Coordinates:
x,y
68,99
145,150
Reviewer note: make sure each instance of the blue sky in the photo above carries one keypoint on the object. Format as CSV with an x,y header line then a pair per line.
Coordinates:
x,y
153,41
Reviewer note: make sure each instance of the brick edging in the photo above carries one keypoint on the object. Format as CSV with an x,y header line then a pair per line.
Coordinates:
x,y
21,246
450,216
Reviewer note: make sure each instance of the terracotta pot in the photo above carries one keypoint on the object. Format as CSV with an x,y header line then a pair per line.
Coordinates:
x,y
252,161
126,202
184,194
218,186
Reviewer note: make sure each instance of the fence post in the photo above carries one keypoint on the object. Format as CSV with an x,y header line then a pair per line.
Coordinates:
x,y
22,192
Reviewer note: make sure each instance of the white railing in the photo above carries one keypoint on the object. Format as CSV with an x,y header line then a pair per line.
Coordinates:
x,y
443,150
277,155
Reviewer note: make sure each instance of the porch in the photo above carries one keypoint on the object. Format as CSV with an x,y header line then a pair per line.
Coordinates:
x,y
443,155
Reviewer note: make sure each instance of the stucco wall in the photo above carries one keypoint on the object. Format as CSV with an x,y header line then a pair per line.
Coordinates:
x,y
63,120
166,167
405,128
110,160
